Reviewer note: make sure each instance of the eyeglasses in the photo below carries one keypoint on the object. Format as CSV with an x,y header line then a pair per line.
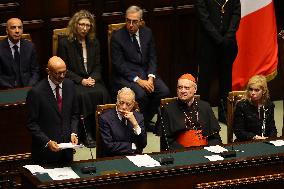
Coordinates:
x,y
120,102
59,73
133,22
83,25
183,87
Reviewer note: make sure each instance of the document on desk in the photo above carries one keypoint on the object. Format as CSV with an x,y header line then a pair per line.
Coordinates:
x,y
62,173
143,161
35,169
216,149
214,158
69,145
277,142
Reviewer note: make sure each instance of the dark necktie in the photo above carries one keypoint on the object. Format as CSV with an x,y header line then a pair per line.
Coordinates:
x,y
17,66
58,98
123,122
137,47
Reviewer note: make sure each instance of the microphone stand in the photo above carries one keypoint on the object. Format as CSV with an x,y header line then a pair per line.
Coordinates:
x,y
165,160
164,134
92,168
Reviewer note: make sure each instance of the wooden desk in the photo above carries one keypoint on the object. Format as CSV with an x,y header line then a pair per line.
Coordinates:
x,y
15,139
260,165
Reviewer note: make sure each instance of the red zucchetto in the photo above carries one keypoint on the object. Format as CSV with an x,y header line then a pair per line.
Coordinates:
x,y
188,77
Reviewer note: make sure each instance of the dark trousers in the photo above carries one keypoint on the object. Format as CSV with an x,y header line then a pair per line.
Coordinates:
x,y
215,58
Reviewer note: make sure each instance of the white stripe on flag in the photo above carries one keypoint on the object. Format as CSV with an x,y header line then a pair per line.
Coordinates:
x,y
249,6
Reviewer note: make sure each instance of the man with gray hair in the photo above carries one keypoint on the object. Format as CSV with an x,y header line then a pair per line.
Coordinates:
x,y
121,128
134,60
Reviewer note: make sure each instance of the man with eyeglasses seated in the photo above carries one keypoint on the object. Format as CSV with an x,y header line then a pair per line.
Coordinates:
x,y
122,129
53,115
188,121
134,60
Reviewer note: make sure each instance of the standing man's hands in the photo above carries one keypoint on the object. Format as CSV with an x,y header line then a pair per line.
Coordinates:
x,y
257,137
53,146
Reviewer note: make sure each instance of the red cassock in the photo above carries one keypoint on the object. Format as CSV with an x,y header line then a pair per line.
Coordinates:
x,y
192,138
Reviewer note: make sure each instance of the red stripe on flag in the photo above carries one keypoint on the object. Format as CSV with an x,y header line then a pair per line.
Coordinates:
x,y
258,49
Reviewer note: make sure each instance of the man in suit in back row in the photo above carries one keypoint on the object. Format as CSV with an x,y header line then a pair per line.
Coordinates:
x,y
53,115
122,129
134,60
18,58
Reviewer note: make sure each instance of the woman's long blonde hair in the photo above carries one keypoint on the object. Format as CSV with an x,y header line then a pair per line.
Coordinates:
x,y
72,25
259,81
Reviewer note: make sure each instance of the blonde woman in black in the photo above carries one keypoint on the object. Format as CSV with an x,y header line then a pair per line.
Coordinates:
x,y
254,115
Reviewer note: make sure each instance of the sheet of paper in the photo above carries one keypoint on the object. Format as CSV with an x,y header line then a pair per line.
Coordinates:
x,y
277,142
143,161
214,158
62,173
69,145
35,169
215,149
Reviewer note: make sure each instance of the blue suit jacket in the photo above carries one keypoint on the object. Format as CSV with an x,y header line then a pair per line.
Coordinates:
x,y
117,138
45,122
29,68
125,58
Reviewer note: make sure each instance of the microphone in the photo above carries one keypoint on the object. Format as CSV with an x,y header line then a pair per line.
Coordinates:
x,y
230,153
90,169
223,110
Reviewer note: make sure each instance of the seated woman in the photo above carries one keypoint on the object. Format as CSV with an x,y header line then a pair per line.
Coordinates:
x,y
188,121
81,52
254,115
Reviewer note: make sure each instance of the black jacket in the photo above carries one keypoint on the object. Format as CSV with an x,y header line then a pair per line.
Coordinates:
x,y
247,122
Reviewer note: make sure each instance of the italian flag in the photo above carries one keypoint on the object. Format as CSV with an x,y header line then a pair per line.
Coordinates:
x,y
257,42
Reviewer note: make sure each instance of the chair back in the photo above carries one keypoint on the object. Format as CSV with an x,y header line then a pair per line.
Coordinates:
x,y
164,102
24,36
57,33
100,110
111,29
233,98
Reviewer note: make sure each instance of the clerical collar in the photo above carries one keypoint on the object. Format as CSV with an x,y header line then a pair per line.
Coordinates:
x,y
186,104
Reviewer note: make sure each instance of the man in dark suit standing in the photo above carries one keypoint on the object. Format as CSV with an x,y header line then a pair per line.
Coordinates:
x,y
18,58
134,60
52,115
122,129
219,20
